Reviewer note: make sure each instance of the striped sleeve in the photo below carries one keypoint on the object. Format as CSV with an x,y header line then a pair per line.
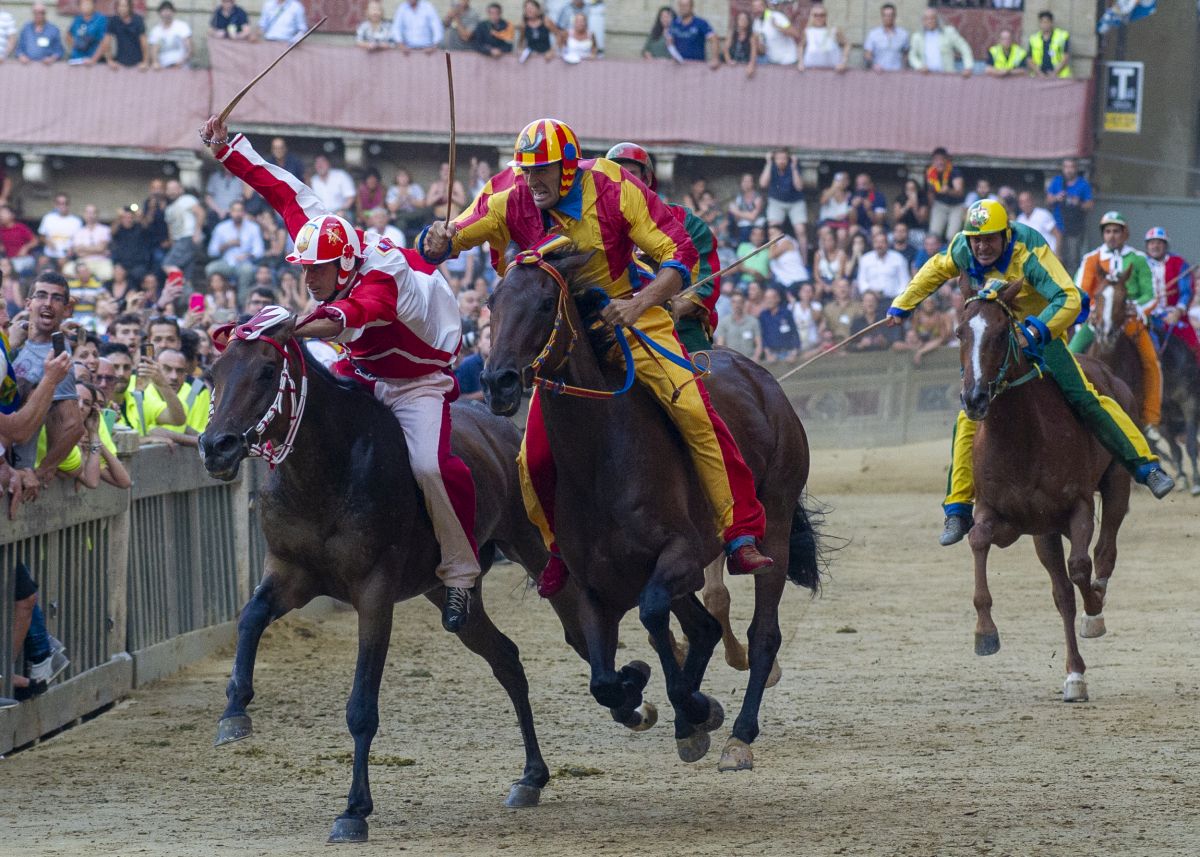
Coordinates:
x,y
484,222
928,280
292,198
655,230
1045,273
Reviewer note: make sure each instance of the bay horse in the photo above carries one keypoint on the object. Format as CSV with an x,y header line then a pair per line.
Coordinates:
x,y
1180,374
1037,469
343,517
633,524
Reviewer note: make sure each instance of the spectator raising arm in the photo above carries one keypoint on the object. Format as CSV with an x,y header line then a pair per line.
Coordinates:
x,y
21,425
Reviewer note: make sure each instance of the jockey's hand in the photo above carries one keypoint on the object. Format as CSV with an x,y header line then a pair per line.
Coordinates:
x,y
1022,339
894,321
1173,315
623,312
682,308
438,238
215,130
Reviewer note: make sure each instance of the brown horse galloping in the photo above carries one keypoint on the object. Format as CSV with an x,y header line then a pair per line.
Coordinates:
x,y
632,521
1036,470
343,517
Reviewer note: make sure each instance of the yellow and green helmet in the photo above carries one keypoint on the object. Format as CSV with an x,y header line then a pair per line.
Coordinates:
x,y
985,217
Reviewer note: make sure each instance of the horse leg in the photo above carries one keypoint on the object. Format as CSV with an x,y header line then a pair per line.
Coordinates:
x,y
482,637
1192,444
267,604
1050,551
679,650
987,637
716,601
362,709
1079,569
1115,487
692,708
620,692
703,632
765,640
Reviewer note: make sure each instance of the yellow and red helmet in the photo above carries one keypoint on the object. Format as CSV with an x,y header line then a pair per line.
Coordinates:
x,y
634,153
548,141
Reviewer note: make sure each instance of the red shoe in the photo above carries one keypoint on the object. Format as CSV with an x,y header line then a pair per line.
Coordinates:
x,y
747,559
554,577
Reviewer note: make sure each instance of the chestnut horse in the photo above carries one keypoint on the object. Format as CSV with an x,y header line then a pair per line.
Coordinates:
x,y
1180,374
1037,468
343,517
633,524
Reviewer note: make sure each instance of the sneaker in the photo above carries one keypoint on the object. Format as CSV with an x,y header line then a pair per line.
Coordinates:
x,y
456,608
953,530
58,661
42,671
1159,483
1152,435
554,577
748,559
8,702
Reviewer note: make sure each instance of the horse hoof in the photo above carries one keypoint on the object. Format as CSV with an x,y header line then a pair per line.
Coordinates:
x,y
775,675
716,716
694,747
1196,489
1075,688
1092,626
649,715
987,644
737,658
521,796
348,830
643,673
737,756
232,729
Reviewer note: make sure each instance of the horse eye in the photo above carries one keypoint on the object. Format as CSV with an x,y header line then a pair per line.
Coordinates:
x,y
547,305
267,373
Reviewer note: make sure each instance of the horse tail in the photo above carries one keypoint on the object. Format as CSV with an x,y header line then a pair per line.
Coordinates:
x,y
805,552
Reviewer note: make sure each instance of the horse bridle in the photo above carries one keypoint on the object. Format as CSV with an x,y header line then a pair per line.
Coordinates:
x,y
1001,383
295,394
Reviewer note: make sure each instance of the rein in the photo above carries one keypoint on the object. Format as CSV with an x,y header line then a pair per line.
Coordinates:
x,y
563,319
1012,353
296,395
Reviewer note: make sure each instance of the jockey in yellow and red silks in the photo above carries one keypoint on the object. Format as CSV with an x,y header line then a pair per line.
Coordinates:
x,y
547,191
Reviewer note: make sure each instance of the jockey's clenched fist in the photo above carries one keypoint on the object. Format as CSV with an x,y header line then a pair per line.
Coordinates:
x,y
214,133
438,238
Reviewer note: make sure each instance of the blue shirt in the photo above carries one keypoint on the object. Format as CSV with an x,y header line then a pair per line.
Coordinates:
x,y
689,38
779,330
87,35
468,374
781,186
37,46
1078,192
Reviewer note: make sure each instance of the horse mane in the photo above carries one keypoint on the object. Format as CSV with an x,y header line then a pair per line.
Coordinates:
x,y
347,386
590,298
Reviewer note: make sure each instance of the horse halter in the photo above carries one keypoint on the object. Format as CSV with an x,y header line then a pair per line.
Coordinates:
x,y
295,394
1012,353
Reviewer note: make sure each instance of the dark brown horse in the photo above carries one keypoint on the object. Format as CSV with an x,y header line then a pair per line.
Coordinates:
x,y
1180,375
342,517
633,524
1037,468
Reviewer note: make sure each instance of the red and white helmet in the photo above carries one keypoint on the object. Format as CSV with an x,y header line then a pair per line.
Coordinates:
x,y
328,238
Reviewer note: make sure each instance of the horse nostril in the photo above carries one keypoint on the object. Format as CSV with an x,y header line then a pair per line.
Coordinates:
x,y
225,444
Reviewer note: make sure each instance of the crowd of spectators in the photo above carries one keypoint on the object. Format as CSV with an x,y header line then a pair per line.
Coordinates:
x,y
573,30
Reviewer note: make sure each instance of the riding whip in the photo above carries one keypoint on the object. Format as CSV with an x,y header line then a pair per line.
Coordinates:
x,y
692,288
450,181
789,373
234,103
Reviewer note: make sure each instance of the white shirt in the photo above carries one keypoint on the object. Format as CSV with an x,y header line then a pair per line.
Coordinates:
x,y
417,28
886,275
282,20
86,236
788,267
336,191
181,217
887,49
1043,221
57,230
171,41
933,49
8,29
249,238
780,47
821,48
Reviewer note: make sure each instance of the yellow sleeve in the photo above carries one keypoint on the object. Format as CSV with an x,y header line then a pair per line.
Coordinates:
x,y
654,229
928,280
483,223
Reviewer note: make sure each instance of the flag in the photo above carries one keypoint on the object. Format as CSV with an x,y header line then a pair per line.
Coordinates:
x,y
1122,12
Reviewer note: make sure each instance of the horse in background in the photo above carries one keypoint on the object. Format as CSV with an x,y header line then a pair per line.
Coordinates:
x,y
633,524
1037,469
343,517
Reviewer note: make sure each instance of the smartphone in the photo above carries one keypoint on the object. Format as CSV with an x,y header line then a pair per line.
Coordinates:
x,y
147,350
196,303
58,342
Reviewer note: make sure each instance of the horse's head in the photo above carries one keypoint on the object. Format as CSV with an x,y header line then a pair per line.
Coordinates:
x,y
987,344
248,386
534,324
1110,311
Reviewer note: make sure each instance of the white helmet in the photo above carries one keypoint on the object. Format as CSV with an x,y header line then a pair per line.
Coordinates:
x,y
328,238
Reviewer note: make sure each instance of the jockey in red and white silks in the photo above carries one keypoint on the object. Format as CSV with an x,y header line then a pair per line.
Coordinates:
x,y
1173,281
399,324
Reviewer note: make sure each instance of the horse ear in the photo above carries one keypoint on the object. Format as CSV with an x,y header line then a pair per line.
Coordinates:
x,y
966,286
1010,291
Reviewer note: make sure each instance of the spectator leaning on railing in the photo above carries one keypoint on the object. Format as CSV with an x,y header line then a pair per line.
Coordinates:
x,y
935,47
125,40
85,35
537,33
886,46
776,33
417,27
39,40
282,20
8,34
822,45
170,39
373,34
689,36
1049,49
494,36
1006,57
229,21
741,48
657,46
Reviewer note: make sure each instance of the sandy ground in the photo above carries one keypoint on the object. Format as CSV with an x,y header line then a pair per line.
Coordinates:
x,y
887,735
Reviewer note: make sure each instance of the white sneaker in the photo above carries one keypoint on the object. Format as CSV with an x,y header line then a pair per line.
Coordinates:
x,y
1152,435
42,671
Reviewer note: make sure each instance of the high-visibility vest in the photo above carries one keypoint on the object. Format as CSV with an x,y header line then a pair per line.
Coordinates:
x,y
1058,44
1016,56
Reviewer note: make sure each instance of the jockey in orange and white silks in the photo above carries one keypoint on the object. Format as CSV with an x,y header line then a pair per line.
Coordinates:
x,y
549,191
399,325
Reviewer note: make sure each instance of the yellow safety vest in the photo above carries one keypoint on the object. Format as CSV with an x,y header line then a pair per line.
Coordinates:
x,y
1016,56
1058,44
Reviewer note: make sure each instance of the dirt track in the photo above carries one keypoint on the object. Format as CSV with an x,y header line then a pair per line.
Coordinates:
x,y
887,736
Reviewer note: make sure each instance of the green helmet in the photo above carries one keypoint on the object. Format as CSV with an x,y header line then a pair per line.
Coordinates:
x,y
1115,218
